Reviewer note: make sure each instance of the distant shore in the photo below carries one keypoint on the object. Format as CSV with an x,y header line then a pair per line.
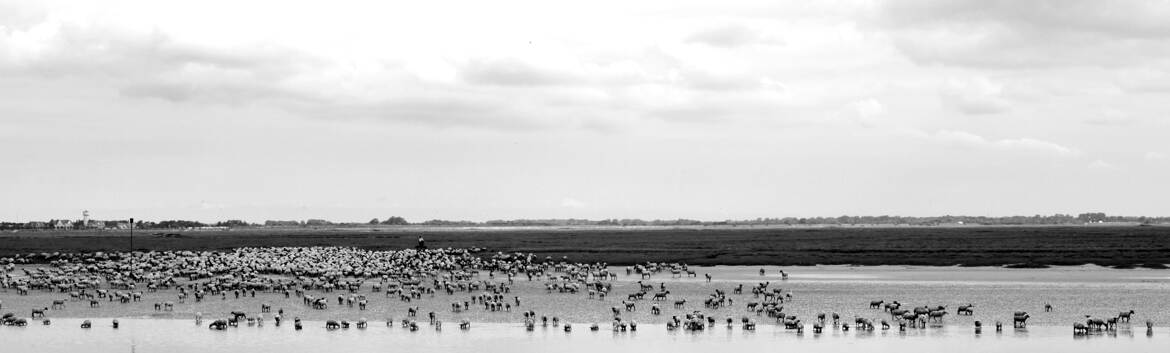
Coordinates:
x,y
542,228
1112,245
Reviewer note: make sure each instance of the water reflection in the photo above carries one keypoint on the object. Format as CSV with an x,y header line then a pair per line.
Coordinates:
x,y
174,336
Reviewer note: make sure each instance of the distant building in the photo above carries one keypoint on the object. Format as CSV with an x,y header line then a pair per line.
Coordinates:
x,y
95,224
61,224
37,225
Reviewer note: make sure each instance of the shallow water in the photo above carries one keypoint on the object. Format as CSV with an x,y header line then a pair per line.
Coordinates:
x,y
997,293
177,336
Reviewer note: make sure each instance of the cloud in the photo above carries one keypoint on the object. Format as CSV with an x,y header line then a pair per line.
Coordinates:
x,y
510,78
1116,19
204,205
730,36
1101,165
1028,34
1037,145
771,105
977,96
868,110
154,64
966,139
1110,117
231,92
57,49
440,110
1144,80
20,17
569,202
1155,156
555,87
511,72
720,82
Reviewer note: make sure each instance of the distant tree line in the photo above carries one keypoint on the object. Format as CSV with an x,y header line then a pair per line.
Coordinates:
x,y
392,221
122,224
1056,219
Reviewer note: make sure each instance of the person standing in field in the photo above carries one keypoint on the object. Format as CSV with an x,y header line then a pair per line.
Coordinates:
x,y
421,244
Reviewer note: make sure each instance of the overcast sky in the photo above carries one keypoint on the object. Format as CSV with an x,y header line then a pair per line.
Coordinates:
x,y
484,110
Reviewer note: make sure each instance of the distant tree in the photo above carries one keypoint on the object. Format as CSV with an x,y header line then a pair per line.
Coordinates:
x,y
318,222
395,221
232,223
374,221
1092,217
179,224
441,222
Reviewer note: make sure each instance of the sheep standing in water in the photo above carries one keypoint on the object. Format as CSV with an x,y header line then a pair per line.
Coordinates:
x,y
282,271
1020,319
1079,329
1125,315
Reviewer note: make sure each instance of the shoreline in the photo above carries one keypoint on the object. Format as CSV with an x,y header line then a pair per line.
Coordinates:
x,y
453,326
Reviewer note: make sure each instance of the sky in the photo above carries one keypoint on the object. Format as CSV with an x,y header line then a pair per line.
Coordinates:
x,y
479,110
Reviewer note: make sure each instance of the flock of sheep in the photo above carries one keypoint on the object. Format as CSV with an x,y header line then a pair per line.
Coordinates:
x,y
312,276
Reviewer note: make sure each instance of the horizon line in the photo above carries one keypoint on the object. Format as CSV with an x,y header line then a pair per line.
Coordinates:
x,y
1086,216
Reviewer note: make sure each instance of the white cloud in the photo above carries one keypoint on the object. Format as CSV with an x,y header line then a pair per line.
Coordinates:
x,y
1101,165
1037,145
1155,156
1144,80
1110,117
731,36
569,202
571,75
975,96
868,110
204,205
1028,34
512,72
962,138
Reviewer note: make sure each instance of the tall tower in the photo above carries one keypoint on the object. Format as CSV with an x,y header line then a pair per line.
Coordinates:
x,y
85,218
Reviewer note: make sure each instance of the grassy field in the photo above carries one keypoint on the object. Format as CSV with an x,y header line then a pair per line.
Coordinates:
x,y
943,246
